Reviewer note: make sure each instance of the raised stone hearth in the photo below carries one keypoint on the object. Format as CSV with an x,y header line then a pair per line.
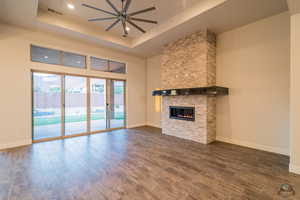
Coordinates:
x,y
188,63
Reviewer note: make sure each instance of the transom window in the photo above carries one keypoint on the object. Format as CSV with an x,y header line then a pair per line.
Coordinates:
x,y
108,65
57,57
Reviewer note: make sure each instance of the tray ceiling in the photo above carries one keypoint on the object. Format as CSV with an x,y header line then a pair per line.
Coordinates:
x,y
165,10
177,18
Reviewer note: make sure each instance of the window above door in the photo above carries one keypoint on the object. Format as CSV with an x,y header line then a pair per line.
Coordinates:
x,y
107,65
64,58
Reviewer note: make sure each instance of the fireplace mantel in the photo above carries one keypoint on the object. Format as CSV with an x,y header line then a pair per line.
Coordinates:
x,y
208,91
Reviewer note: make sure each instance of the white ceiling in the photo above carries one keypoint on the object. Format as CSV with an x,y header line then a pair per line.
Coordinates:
x,y
164,11
176,18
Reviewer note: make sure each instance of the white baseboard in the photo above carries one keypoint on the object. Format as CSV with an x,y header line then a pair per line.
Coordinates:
x,y
255,146
135,125
153,125
15,144
295,168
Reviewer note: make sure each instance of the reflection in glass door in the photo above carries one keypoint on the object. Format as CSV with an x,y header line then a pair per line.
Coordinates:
x,y
47,102
75,105
117,104
98,104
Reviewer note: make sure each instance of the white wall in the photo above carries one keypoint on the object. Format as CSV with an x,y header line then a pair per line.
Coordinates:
x,y
15,79
253,61
295,95
153,83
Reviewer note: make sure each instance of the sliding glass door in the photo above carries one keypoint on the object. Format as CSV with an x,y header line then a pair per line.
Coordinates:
x,y
98,104
65,105
117,104
47,104
75,105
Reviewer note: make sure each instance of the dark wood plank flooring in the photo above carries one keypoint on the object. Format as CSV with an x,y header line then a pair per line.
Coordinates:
x,y
140,164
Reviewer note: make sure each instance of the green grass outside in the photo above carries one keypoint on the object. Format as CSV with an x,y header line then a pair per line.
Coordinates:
x,y
43,121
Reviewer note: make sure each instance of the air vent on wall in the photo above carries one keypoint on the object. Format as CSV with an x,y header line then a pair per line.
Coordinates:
x,y
54,11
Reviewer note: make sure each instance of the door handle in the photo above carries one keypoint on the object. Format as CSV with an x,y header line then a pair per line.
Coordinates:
x,y
108,107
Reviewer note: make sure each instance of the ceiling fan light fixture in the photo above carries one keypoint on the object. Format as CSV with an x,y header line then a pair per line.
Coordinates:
x,y
122,16
71,6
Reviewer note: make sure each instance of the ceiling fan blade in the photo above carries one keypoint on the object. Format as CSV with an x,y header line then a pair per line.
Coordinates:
x,y
113,24
101,19
92,7
136,26
113,6
124,28
142,11
143,20
128,2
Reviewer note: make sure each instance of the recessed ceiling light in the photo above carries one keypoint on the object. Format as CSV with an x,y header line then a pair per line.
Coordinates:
x,y
45,57
127,28
70,6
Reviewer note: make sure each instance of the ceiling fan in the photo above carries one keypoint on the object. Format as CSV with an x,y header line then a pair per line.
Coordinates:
x,y
122,16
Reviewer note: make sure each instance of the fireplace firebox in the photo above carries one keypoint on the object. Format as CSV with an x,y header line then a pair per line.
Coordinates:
x,y
182,113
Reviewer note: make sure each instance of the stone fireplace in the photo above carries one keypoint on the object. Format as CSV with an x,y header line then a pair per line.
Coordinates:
x,y
202,129
190,63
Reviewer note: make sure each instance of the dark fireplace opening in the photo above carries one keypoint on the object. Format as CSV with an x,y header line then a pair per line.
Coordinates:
x,y
182,113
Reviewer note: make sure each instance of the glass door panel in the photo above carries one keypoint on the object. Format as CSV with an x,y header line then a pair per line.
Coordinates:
x,y
75,105
117,104
98,104
47,103
66,105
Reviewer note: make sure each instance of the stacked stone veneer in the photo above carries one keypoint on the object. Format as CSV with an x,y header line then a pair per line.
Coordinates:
x,y
187,63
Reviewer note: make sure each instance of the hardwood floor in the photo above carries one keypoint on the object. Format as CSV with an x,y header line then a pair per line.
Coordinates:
x,y
140,164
